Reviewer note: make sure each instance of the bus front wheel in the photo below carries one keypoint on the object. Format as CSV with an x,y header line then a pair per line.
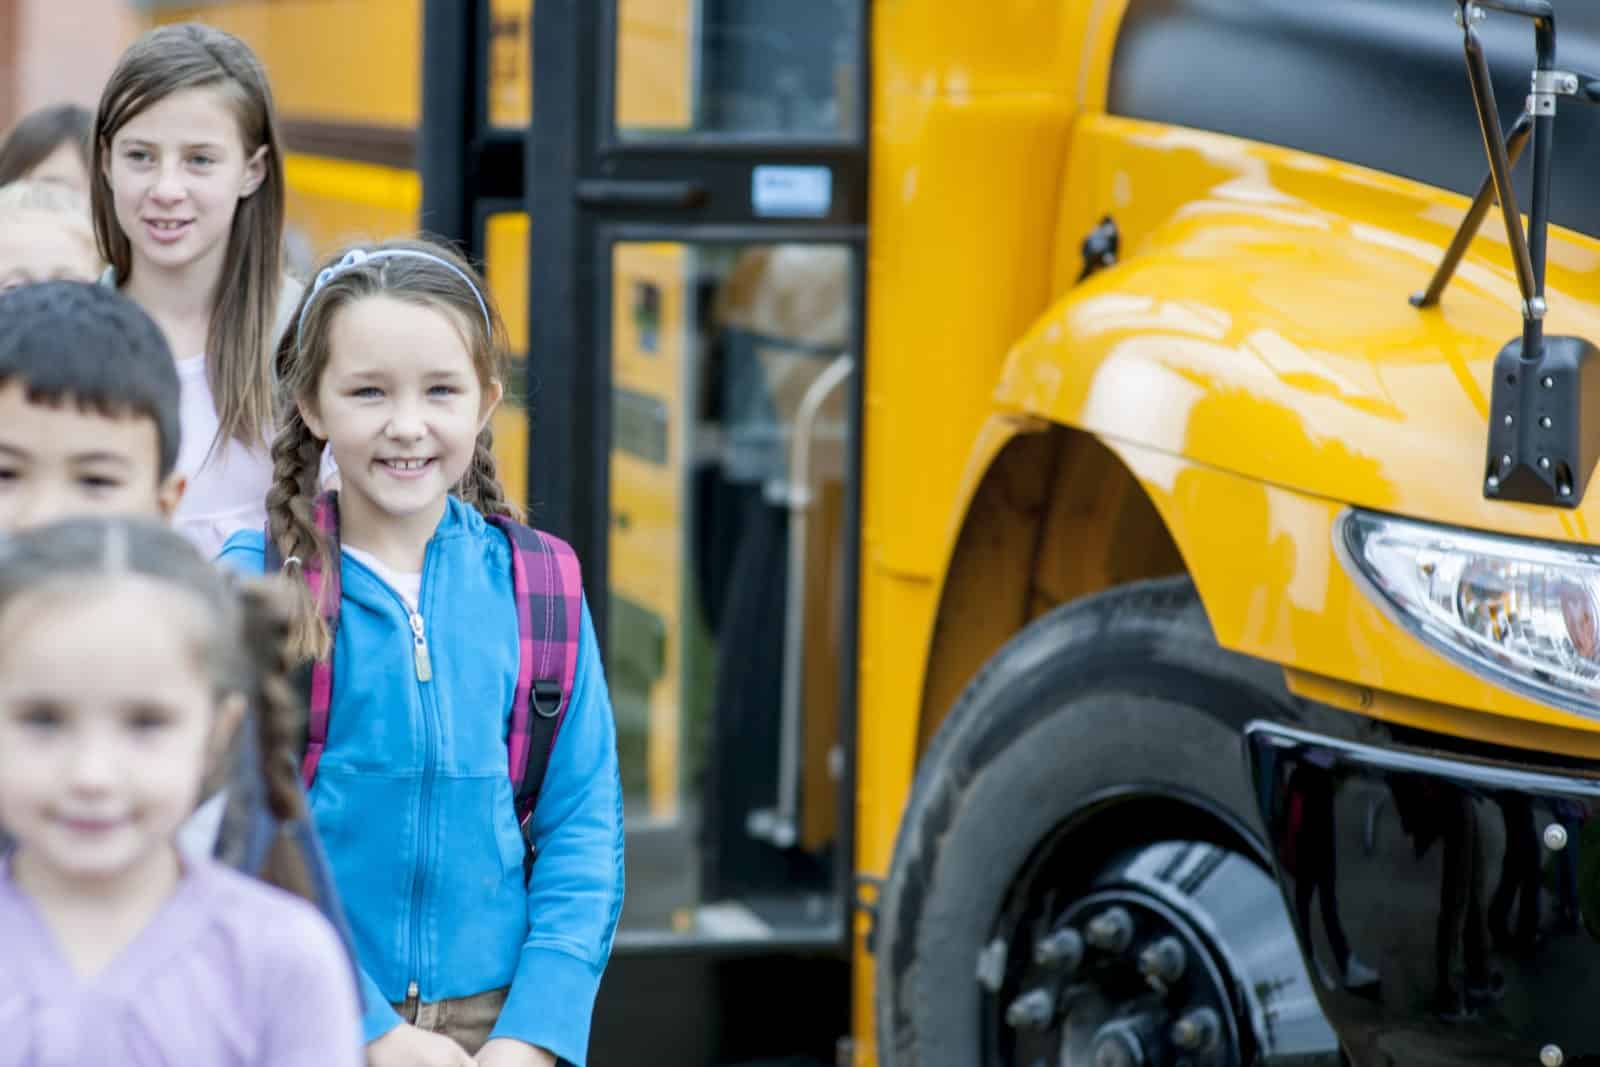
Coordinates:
x,y
1079,880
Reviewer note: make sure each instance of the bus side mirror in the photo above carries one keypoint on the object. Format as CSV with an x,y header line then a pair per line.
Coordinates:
x,y
1544,423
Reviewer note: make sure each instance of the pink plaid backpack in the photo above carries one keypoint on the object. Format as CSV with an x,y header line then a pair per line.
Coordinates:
x,y
549,592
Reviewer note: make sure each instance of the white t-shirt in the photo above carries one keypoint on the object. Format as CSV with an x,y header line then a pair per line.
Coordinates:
x,y
407,583
228,491
198,835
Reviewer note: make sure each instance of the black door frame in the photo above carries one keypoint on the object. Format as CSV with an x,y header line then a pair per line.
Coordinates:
x,y
587,189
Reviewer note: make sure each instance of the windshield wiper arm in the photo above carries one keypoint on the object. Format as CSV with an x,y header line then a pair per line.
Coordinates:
x,y
1472,222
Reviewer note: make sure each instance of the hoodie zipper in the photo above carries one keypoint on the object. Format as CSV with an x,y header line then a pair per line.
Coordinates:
x,y
419,648
424,665
422,661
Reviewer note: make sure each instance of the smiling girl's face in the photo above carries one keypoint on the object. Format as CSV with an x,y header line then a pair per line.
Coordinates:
x,y
108,722
401,405
177,171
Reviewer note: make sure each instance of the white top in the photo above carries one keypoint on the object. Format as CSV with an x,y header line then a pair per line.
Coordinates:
x,y
198,835
407,583
228,491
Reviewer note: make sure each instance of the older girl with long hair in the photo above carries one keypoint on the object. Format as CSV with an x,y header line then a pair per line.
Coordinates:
x,y
188,200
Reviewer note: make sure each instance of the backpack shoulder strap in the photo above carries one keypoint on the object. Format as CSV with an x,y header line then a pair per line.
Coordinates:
x,y
326,592
548,586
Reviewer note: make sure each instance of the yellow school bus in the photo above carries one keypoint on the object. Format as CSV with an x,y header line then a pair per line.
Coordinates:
x,y
1086,502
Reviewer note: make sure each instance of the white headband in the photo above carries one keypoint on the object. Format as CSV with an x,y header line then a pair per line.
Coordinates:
x,y
355,257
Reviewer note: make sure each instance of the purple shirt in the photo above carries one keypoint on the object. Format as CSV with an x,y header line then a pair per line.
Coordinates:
x,y
229,973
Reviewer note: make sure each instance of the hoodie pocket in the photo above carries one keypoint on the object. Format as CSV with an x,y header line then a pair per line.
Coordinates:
x,y
507,832
478,903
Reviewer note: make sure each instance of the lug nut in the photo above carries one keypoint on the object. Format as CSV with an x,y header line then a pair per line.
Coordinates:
x,y
1163,961
1127,1041
1117,1050
1064,948
1552,1056
1031,1011
1197,1031
1555,837
1111,930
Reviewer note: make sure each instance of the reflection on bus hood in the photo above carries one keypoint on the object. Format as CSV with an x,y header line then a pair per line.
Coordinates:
x,y
1266,337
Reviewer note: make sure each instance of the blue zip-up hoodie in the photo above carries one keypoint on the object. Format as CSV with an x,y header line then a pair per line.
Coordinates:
x,y
413,800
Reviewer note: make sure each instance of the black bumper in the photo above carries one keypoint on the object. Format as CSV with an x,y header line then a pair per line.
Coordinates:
x,y
1448,908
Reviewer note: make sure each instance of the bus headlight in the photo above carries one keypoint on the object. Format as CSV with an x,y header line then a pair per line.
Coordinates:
x,y
1524,614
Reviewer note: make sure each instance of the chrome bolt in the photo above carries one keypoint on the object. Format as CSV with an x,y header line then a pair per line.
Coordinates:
x,y
1197,1030
1064,948
1552,1056
1548,382
1494,483
1544,463
1163,961
1505,460
1510,420
1544,422
1555,837
1566,490
1111,930
1031,1011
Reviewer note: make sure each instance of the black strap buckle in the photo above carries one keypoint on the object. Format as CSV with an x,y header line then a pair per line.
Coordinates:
x,y
546,698
529,852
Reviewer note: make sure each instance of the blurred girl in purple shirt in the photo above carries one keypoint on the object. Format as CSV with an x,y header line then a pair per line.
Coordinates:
x,y
124,659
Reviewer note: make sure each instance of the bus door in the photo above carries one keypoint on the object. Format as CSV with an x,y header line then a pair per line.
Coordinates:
x,y
697,182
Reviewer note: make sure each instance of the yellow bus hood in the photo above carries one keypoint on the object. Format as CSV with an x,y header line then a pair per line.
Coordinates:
x,y
1275,341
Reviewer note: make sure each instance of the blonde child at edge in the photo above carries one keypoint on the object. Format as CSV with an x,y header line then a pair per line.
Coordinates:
x,y
45,235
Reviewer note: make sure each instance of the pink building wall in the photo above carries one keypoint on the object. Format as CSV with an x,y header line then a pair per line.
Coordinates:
x,y
59,51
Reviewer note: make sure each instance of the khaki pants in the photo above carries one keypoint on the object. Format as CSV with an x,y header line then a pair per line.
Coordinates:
x,y
467,1020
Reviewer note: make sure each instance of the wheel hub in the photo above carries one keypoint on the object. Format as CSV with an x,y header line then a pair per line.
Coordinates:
x,y
1143,991
1143,967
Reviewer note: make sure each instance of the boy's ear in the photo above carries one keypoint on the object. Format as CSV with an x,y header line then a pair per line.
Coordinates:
x,y
170,494
492,395
255,172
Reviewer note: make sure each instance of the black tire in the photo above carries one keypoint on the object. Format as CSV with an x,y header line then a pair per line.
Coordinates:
x,y
1110,721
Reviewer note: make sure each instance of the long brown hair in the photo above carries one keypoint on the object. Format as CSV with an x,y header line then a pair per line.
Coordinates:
x,y
346,277
244,307
239,638
36,137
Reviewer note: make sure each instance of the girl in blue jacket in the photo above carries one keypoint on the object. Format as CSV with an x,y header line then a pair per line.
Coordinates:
x,y
393,363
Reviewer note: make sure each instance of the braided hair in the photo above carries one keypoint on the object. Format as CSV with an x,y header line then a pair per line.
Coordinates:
x,y
280,725
422,272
